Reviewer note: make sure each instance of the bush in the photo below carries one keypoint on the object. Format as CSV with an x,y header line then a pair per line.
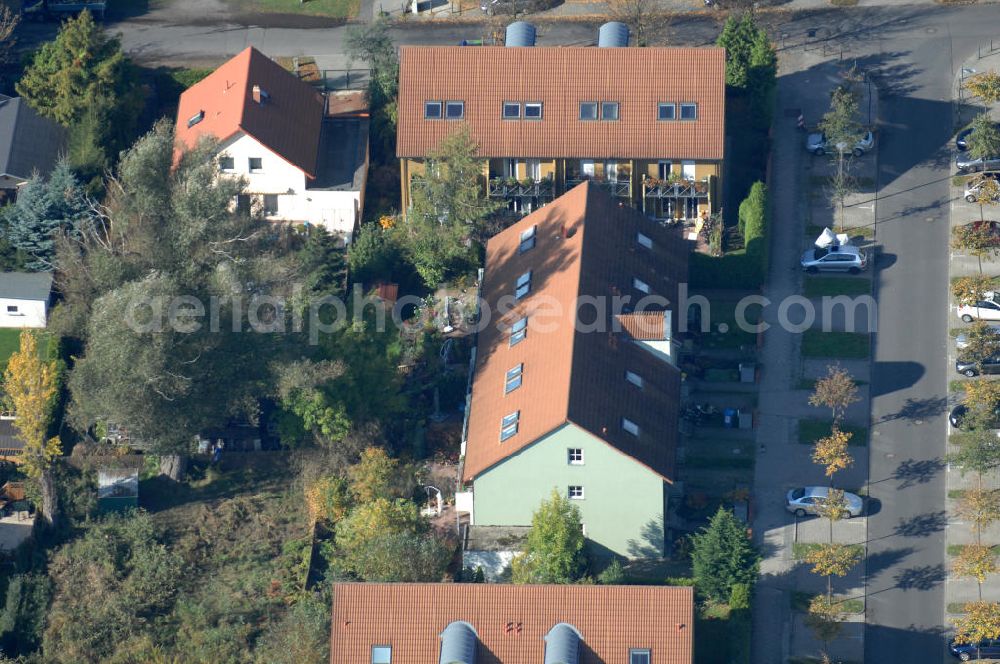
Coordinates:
x,y
23,617
612,575
739,597
753,226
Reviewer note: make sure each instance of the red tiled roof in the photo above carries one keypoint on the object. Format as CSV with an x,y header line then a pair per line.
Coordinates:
x,y
560,78
585,247
287,123
644,326
511,621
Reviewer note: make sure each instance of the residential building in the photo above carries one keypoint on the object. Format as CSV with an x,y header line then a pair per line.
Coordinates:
x,y
304,161
575,386
29,143
24,299
465,623
647,124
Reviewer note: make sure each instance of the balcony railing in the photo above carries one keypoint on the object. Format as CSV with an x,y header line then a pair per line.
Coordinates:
x,y
655,188
510,188
622,188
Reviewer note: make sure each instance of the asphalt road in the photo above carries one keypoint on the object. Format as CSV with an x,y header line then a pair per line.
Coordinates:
x,y
916,50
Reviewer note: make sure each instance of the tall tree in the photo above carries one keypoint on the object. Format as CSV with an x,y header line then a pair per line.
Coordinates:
x,y
832,560
831,452
975,561
985,85
554,549
373,476
987,191
977,451
372,43
980,621
43,209
980,507
836,391
722,555
32,385
751,65
448,210
981,343
969,290
81,70
984,141
976,239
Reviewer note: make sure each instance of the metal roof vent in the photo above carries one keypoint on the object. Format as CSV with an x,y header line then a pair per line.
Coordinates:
x,y
458,644
520,33
612,33
562,645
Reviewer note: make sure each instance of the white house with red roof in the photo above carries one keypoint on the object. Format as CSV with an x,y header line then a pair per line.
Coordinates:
x,y
302,164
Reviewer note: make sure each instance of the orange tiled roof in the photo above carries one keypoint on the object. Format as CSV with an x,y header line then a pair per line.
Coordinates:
x,y
511,621
645,326
560,78
288,122
585,248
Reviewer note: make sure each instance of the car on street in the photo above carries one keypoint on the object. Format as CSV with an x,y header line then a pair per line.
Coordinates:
x,y
808,499
990,365
835,258
989,229
966,164
962,340
985,649
818,144
961,141
972,189
957,416
986,309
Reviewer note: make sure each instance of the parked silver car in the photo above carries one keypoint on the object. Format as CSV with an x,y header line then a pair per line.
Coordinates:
x,y
972,190
834,259
807,500
819,145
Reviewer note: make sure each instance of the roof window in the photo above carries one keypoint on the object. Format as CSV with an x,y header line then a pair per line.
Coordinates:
x,y
527,240
432,110
588,110
511,110
196,118
454,110
523,285
630,426
514,379
609,110
666,111
689,111
518,331
508,425
533,110
644,240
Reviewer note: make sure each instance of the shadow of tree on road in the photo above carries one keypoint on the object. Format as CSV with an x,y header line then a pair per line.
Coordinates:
x,y
919,409
922,525
912,472
920,578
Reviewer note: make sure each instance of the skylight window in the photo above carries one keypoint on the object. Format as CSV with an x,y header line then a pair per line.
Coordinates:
x,y
533,111
454,110
609,110
196,118
511,110
523,285
666,111
638,656
508,425
689,111
518,331
630,426
588,110
527,240
432,110
640,285
633,378
514,379
644,240
381,654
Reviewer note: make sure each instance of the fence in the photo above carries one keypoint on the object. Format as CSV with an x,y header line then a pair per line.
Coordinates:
x,y
986,51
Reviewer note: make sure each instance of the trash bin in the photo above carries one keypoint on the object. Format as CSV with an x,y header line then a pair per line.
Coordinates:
x,y
729,418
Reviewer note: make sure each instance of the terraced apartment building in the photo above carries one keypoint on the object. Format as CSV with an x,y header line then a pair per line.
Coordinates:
x,y
646,124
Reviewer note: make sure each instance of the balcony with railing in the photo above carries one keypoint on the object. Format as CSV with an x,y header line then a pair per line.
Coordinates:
x,y
507,188
616,187
674,188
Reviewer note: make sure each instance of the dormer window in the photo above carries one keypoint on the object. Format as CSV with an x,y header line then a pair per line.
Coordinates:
x,y
514,379
518,331
432,110
640,285
454,110
644,240
527,240
196,118
523,285
508,425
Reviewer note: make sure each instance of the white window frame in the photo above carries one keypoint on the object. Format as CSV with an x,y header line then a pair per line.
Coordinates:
x,y
519,331
688,171
514,379
686,105
384,649
640,285
663,168
635,653
633,378
533,104
523,285
510,105
597,111
227,159
527,239
451,103
250,167
509,425
433,104
575,492
630,427
663,105
533,169
587,167
644,240
574,456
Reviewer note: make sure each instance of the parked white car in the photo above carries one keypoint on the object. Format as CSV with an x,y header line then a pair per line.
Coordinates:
x,y
986,309
807,500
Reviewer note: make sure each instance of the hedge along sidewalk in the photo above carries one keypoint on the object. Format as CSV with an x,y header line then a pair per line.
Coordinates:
x,y
853,345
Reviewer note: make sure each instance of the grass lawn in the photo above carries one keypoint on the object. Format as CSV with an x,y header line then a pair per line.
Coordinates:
x,y
956,549
956,494
816,343
800,602
10,341
812,430
820,286
344,9
800,549
723,312
710,453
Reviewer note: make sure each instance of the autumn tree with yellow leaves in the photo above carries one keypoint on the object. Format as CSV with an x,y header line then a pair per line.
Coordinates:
x,y
975,561
832,560
831,452
32,385
980,621
835,391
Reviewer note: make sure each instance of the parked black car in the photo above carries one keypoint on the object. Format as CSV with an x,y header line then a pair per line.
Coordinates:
x,y
970,369
958,413
987,649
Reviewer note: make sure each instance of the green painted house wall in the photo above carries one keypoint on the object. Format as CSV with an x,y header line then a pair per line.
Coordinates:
x,y
623,505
